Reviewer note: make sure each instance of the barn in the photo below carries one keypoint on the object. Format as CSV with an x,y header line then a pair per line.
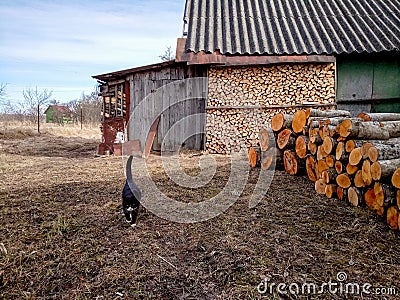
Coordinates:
x,y
249,60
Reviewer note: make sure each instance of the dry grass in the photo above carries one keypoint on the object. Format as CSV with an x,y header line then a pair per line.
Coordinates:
x,y
65,236
16,130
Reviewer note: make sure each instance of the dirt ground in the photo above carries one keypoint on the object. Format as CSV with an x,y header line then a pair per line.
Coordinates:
x,y
64,235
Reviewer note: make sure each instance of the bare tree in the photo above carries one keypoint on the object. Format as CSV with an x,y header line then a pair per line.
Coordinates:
x,y
2,89
35,99
168,55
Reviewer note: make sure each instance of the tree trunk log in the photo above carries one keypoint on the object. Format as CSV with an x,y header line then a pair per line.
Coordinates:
x,y
355,156
343,180
392,217
320,186
358,180
341,193
396,178
331,190
299,121
281,121
366,172
355,196
383,152
286,139
266,138
301,146
254,155
351,169
381,117
370,200
329,175
328,113
311,166
293,166
338,167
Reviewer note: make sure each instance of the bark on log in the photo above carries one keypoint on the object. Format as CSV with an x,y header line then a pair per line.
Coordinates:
x,y
383,152
388,168
385,194
328,113
329,175
367,130
381,117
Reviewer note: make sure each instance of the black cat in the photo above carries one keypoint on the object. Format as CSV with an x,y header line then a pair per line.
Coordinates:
x,y
131,196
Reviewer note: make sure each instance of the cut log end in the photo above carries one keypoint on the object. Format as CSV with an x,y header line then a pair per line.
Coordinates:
x,y
354,196
331,190
392,217
343,180
396,178
285,139
253,157
277,122
299,121
355,156
291,163
301,146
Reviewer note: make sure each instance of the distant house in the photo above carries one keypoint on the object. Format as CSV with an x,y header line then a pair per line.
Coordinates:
x,y
259,58
58,114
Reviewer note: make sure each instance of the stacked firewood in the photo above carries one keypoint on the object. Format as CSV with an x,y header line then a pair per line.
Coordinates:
x,y
353,159
243,98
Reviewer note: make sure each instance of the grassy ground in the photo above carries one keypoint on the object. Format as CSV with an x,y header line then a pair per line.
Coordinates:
x,y
64,235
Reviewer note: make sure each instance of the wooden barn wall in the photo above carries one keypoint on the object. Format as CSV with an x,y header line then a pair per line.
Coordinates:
x,y
369,82
148,84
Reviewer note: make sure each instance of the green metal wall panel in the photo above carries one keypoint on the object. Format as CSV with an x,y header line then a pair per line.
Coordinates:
x,y
386,79
355,79
369,78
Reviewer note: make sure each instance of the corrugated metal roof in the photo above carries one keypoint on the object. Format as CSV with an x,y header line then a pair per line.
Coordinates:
x,y
278,27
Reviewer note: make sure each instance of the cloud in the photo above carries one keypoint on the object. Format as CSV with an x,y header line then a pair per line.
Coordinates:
x,y
65,42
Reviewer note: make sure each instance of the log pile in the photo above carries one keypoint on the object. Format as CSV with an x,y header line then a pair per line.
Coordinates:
x,y
243,99
353,159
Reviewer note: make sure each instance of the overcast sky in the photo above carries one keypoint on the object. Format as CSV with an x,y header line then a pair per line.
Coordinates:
x,y
59,45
